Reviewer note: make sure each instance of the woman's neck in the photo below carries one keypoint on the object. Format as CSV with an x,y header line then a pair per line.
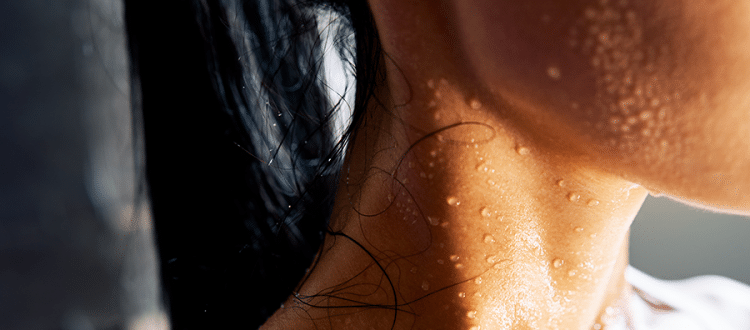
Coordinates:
x,y
447,218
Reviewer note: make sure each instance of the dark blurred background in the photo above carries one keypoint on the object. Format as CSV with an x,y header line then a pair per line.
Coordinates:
x,y
77,253
74,251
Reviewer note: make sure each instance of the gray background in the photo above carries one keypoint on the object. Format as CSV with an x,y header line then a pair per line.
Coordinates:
x,y
673,241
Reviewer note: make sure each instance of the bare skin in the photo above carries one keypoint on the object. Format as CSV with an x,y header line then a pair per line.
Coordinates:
x,y
491,188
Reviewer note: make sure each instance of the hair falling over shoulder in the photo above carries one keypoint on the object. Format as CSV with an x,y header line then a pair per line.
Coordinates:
x,y
241,148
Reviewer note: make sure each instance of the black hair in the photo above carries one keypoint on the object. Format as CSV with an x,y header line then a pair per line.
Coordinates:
x,y
241,156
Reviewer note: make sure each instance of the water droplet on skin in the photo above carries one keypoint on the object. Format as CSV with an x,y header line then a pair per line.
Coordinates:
x,y
413,270
433,221
553,72
573,197
476,327
579,229
593,202
490,182
522,150
462,294
489,239
572,272
560,183
471,314
452,201
433,153
597,326
454,258
645,115
478,280
431,164
482,167
478,294
485,211
425,286
440,261
475,104
491,259
663,113
557,263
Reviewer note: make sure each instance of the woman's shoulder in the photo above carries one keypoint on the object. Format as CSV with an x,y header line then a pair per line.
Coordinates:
x,y
703,302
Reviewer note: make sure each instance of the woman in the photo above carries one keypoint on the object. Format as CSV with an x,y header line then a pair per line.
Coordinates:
x,y
497,156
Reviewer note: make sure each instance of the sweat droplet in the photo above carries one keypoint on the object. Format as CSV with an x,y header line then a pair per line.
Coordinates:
x,y
478,280
573,197
593,202
476,327
452,201
489,239
522,150
553,72
454,258
471,314
462,294
485,211
579,229
425,286
475,104
491,259
557,263
560,183
433,221
572,272
440,261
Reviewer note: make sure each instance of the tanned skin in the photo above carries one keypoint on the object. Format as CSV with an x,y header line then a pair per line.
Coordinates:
x,y
495,176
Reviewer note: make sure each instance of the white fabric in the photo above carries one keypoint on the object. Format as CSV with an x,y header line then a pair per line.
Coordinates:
x,y
704,302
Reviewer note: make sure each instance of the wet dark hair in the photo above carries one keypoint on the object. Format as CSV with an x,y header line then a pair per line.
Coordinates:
x,y
241,158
